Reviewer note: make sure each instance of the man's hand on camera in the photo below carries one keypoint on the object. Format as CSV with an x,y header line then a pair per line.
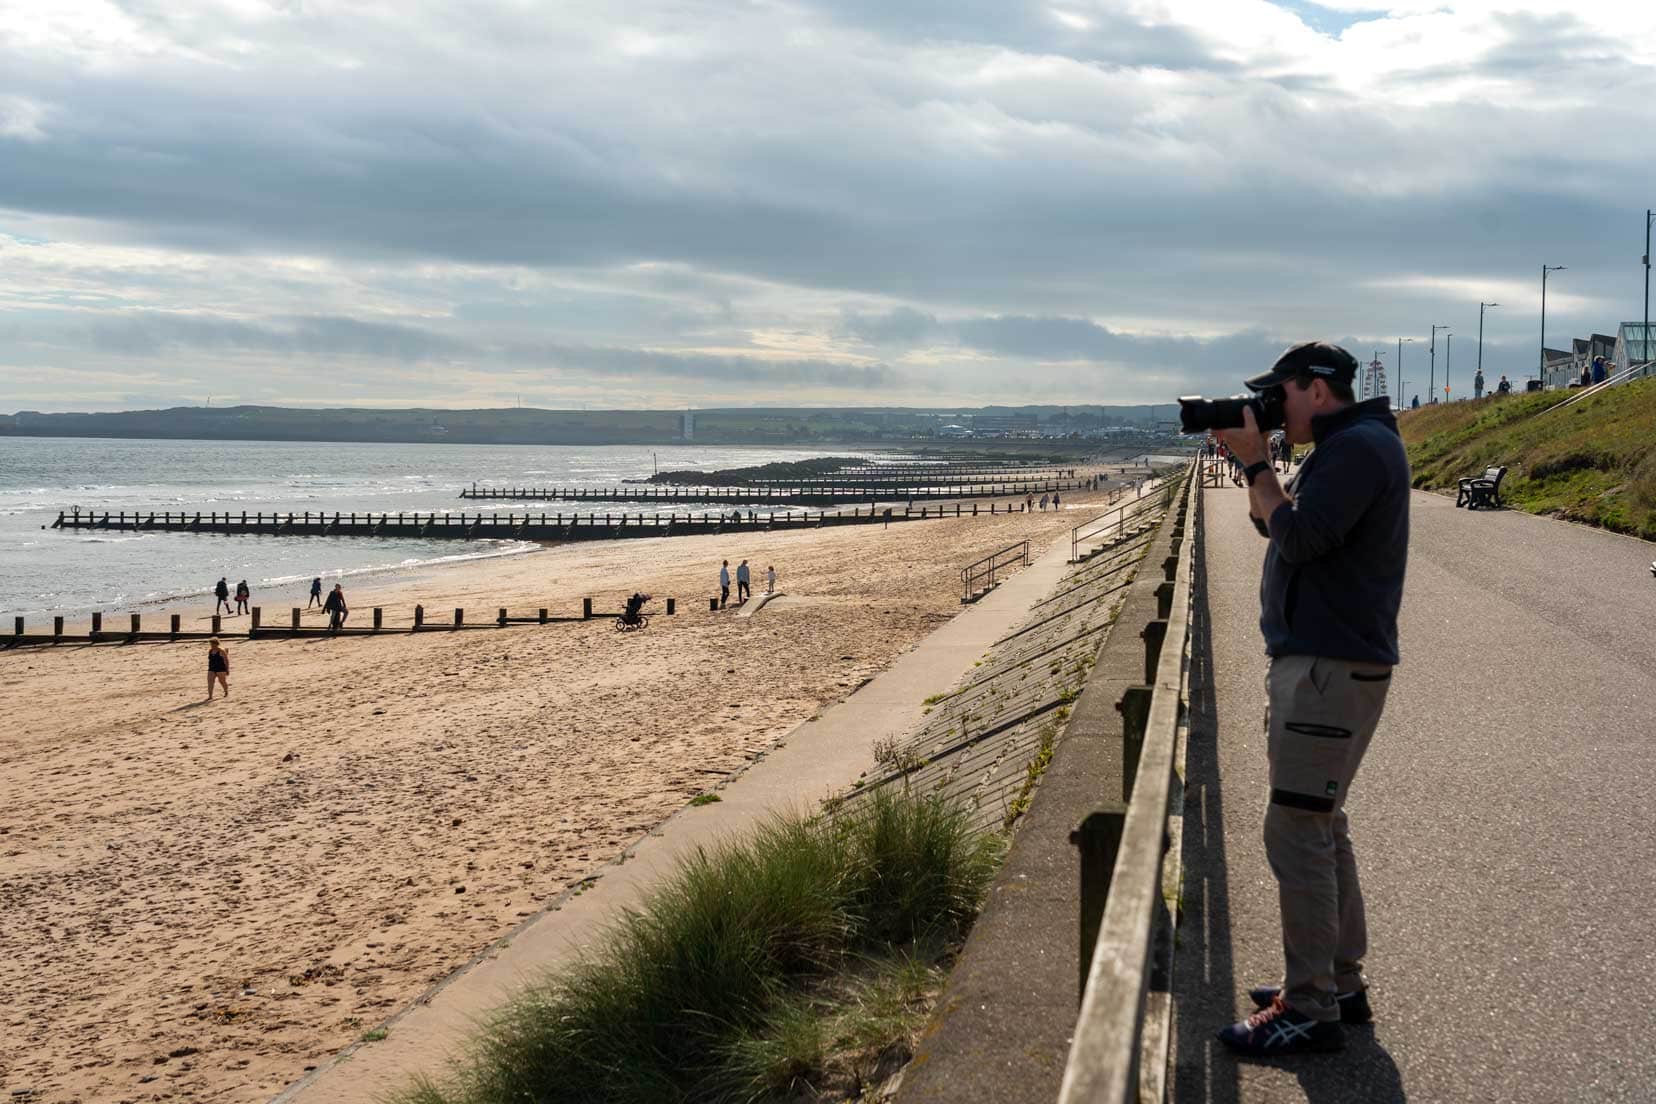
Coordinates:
x,y
1248,443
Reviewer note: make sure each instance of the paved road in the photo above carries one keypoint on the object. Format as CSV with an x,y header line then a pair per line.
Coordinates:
x,y
1502,819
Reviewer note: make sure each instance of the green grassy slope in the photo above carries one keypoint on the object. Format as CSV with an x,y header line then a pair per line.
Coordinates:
x,y
1593,461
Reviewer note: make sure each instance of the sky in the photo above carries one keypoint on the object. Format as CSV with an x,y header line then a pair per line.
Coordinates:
x,y
806,202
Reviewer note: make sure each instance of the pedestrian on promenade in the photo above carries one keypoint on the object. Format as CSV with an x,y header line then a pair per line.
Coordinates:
x,y
1598,369
1415,403
743,580
336,608
218,667
770,579
1332,584
1586,376
724,583
1477,384
243,597
1503,387
222,593
316,592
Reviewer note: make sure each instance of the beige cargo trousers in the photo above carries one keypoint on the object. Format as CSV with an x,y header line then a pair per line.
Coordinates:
x,y
1320,715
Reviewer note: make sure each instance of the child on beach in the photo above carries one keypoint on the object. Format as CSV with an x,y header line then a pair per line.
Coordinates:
x,y
770,579
316,592
218,667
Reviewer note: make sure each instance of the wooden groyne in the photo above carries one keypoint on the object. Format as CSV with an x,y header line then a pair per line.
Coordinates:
x,y
544,526
257,629
795,493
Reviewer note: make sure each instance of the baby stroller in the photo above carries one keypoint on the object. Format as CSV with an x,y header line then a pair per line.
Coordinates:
x,y
633,619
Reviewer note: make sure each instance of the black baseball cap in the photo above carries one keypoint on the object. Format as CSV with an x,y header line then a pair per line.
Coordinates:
x,y
1308,359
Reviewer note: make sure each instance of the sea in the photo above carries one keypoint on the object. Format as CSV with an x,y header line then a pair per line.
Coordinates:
x,y
47,571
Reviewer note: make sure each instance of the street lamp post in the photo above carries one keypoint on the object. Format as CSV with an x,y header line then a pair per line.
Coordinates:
x,y
1541,369
1402,391
1448,355
1481,307
1650,216
1431,372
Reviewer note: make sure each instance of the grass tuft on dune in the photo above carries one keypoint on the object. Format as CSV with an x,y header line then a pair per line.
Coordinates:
x,y
797,960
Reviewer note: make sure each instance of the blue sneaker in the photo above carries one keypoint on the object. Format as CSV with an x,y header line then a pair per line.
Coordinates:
x,y
1277,1030
1354,1006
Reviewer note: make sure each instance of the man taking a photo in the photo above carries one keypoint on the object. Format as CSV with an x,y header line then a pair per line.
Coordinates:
x,y
1329,596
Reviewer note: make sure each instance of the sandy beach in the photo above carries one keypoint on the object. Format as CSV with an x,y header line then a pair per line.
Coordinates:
x,y
203,900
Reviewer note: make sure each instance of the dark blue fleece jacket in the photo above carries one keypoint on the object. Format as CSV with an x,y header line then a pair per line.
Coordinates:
x,y
1333,577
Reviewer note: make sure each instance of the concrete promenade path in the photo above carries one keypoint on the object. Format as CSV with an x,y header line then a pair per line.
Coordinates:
x,y
823,755
1502,819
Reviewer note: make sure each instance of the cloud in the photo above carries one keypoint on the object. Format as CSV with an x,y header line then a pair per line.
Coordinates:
x,y
826,197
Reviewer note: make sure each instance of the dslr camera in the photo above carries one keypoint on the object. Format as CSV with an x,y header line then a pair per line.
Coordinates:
x,y
1304,362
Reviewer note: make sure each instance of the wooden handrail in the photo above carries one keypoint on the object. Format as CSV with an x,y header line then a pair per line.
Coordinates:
x,y
1103,1064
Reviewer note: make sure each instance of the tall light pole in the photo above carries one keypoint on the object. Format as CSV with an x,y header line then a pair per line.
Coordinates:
x,y
1448,355
1481,307
1402,391
1650,216
1541,370
1431,373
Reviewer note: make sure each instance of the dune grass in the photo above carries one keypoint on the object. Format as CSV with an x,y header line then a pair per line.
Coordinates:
x,y
792,961
1593,461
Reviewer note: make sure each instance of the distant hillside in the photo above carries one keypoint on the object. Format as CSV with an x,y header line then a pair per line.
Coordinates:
x,y
1593,461
513,425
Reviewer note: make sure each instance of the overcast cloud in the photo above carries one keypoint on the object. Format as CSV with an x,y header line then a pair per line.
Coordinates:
x,y
853,202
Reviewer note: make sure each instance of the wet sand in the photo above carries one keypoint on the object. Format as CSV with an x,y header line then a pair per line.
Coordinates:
x,y
202,900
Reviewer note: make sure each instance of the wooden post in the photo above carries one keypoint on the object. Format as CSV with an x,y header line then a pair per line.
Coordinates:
x,y
97,625
419,616
216,624
18,623
713,605
1098,840
503,615
671,606
295,620
136,624
459,617
253,627
543,615
1154,633
586,608
57,626
1134,708
379,618
174,627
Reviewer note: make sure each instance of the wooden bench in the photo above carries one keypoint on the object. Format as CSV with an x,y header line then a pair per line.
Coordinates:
x,y
1481,490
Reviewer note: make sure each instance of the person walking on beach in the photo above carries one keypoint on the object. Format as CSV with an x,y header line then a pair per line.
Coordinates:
x,y
316,592
243,597
743,580
336,608
1043,502
770,579
222,593
218,667
724,583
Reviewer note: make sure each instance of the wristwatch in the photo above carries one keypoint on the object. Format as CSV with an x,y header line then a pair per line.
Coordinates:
x,y
1251,472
